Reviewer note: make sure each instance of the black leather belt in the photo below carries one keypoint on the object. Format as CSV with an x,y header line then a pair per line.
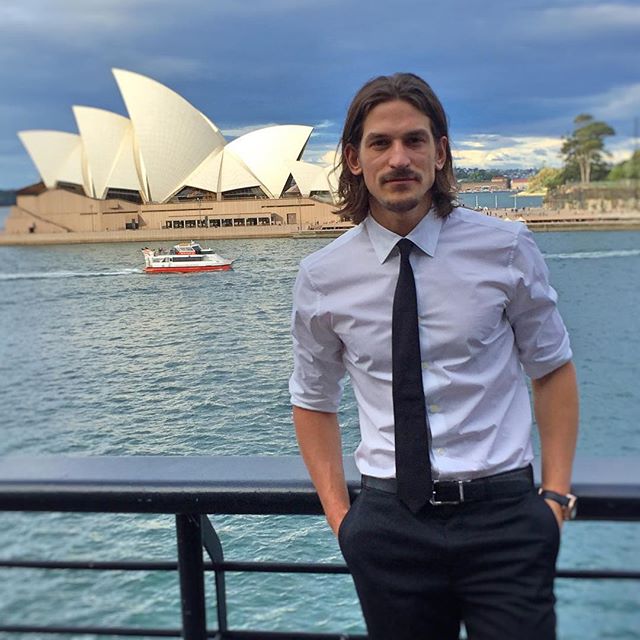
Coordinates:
x,y
500,485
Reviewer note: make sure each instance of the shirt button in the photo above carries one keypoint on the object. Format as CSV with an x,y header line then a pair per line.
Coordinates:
x,y
425,365
434,408
440,451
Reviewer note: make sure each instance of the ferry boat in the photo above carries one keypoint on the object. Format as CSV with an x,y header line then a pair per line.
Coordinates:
x,y
184,258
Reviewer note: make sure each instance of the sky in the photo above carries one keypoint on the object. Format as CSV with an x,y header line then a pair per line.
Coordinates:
x,y
511,75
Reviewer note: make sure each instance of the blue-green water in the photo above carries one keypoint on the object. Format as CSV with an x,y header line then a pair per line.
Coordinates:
x,y
499,200
98,358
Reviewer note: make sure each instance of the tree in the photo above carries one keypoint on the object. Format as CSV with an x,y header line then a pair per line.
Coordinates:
x,y
585,147
599,171
629,169
546,178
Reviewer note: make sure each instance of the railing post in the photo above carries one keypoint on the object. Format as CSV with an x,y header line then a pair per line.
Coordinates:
x,y
213,547
191,570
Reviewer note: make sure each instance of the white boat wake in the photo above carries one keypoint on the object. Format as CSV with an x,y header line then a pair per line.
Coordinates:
x,y
56,275
591,255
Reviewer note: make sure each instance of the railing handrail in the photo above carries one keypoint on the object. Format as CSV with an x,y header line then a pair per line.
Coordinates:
x,y
192,487
608,487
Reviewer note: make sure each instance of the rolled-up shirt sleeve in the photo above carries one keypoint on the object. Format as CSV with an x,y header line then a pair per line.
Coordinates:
x,y
318,369
541,336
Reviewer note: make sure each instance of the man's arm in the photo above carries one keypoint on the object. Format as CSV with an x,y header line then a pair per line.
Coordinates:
x,y
555,401
319,440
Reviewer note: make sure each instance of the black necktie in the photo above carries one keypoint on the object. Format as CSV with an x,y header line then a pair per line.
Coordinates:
x,y
412,437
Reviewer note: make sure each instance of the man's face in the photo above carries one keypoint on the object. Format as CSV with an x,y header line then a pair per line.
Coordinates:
x,y
397,158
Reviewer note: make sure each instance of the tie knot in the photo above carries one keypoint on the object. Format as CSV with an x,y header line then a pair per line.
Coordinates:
x,y
405,246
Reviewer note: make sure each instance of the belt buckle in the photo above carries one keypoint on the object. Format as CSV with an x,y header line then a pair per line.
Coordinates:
x,y
437,503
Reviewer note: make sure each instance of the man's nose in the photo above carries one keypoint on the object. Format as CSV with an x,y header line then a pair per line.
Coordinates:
x,y
398,155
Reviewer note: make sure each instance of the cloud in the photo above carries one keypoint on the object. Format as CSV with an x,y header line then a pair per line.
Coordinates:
x,y
597,17
57,19
617,103
495,151
620,102
241,130
324,124
621,150
582,20
320,130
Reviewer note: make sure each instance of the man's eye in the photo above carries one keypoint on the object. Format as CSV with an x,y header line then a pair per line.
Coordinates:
x,y
378,144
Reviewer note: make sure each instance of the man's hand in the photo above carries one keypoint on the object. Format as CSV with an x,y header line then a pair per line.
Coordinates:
x,y
557,512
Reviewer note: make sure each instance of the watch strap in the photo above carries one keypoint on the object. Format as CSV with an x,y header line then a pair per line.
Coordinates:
x,y
567,501
560,498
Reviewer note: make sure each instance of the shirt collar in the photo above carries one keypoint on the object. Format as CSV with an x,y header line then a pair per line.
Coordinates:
x,y
424,235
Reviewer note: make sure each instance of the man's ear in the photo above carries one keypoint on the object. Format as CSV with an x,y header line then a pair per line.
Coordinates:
x,y
352,160
441,152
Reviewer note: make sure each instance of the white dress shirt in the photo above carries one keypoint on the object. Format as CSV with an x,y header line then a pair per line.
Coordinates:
x,y
487,315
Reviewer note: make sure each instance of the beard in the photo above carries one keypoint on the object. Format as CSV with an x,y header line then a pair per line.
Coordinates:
x,y
399,204
402,205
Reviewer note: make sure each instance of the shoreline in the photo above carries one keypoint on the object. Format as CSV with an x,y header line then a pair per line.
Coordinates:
x,y
543,220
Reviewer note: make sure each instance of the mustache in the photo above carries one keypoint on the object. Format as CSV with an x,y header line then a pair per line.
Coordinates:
x,y
400,174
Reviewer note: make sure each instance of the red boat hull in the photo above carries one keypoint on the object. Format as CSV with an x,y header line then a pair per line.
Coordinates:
x,y
214,267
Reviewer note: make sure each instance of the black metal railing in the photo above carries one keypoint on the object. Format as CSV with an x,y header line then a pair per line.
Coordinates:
x,y
190,488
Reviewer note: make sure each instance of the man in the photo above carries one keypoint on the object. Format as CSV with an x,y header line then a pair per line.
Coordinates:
x,y
447,527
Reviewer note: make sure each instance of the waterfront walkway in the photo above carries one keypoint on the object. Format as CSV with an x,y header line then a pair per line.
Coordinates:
x,y
536,219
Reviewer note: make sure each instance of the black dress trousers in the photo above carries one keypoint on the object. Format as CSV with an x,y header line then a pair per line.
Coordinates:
x,y
490,564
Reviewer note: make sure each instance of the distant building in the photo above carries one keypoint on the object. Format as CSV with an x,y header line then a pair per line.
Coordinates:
x,y
519,184
500,183
169,153
168,150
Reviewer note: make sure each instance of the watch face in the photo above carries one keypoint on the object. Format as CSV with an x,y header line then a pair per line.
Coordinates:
x,y
572,507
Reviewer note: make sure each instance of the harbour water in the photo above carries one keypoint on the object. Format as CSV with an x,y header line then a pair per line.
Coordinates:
x,y
499,200
98,358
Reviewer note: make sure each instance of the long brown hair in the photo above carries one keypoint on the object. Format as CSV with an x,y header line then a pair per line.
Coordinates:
x,y
352,191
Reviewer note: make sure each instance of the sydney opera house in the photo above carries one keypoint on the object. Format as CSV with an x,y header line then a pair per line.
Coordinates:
x,y
168,167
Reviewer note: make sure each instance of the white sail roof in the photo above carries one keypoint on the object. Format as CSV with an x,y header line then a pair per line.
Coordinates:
x,y
235,174
269,152
56,154
305,174
207,175
108,142
173,137
328,181
124,174
168,144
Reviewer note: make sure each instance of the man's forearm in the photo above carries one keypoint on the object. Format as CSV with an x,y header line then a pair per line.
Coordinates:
x,y
319,440
556,409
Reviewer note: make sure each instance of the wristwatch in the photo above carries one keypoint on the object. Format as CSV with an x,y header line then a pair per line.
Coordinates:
x,y
568,502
